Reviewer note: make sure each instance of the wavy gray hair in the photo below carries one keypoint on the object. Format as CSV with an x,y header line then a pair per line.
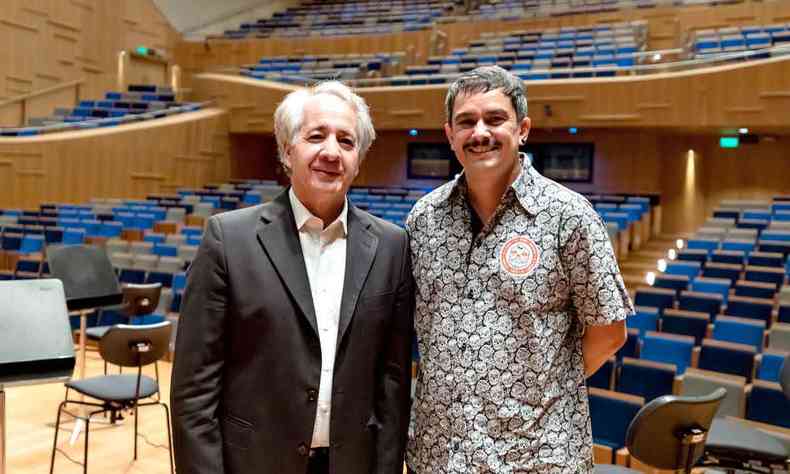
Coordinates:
x,y
289,116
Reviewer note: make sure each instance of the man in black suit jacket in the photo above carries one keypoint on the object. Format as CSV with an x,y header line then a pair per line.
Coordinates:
x,y
294,344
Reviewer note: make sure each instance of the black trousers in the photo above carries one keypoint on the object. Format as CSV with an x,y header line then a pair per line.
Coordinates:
x,y
318,463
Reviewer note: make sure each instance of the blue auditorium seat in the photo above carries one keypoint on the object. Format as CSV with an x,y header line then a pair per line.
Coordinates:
x,y
73,236
610,415
31,243
740,330
693,255
702,244
672,282
165,250
754,289
720,286
770,365
766,259
164,278
740,245
727,357
645,319
768,404
669,349
131,275
752,308
686,323
155,237
784,314
645,378
708,303
632,345
723,271
603,378
111,229
733,257
654,297
765,274
53,235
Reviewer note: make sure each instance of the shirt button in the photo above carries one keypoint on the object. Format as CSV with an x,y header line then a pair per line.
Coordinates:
x,y
302,450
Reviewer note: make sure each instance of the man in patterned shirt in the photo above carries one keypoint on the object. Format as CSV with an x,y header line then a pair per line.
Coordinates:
x,y
519,298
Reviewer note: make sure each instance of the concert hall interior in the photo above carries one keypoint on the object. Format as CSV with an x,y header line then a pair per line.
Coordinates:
x,y
126,125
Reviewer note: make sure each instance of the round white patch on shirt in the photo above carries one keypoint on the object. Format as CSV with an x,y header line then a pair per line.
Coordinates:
x,y
519,256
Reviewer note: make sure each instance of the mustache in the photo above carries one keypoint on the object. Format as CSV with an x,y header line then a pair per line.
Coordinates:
x,y
486,142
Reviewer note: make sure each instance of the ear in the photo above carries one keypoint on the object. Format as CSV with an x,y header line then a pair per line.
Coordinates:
x,y
287,157
448,131
523,130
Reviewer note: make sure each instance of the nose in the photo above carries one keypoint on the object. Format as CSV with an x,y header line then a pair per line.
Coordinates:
x,y
481,130
331,149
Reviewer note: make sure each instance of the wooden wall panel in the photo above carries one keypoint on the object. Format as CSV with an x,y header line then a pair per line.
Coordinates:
x,y
128,161
47,42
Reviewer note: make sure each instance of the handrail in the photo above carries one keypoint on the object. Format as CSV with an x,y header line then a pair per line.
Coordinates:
x,y
48,90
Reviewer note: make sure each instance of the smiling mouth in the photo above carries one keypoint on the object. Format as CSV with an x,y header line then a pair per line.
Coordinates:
x,y
479,150
327,173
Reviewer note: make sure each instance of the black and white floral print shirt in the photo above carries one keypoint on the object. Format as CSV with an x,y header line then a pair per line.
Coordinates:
x,y
499,318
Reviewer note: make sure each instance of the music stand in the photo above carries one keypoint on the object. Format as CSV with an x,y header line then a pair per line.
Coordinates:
x,y
89,282
35,339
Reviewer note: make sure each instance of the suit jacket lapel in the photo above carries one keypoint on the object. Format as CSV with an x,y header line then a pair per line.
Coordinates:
x,y
279,237
360,252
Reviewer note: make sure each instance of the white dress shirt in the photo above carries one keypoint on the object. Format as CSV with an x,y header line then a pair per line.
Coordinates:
x,y
324,251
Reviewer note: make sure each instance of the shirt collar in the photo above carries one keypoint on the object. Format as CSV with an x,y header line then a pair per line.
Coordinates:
x,y
302,214
525,187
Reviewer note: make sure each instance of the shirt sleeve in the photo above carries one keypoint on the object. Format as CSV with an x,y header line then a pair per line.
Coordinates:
x,y
598,293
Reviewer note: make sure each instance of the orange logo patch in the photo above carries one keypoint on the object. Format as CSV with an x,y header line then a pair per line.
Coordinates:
x,y
519,256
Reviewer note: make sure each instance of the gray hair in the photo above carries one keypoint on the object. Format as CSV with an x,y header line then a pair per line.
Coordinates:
x,y
485,79
289,116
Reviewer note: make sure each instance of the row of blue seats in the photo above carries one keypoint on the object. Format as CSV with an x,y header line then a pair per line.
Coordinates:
x,y
711,296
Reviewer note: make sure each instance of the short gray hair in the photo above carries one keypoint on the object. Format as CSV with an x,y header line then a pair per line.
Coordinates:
x,y
289,116
485,79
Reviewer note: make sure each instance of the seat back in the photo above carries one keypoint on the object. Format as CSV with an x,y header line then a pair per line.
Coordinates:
x,y
655,297
769,403
727,358
740,330
779,337
719,286
141,299
754,289
709,303
135,346
770,365
646,378
603,377
752,308
611,413
698,382
671,282
669,349
687,323
654,436
644,319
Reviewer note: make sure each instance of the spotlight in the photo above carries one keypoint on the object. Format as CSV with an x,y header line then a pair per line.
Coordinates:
x,y
657,57
743,131
672,254
662,265
680,244
650,278
413,132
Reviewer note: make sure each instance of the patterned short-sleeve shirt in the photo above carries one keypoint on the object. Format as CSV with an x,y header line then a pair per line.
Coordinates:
x,y
499,318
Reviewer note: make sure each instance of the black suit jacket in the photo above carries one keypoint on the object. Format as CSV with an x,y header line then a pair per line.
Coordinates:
x,y
248,360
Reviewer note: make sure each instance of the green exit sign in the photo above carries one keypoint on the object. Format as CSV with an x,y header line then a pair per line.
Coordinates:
x,y
729,142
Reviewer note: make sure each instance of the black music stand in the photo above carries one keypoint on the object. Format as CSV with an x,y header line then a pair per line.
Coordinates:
x,y
88,280
35,339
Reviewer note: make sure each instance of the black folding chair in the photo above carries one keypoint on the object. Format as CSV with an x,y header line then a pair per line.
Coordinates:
x,y
125,346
